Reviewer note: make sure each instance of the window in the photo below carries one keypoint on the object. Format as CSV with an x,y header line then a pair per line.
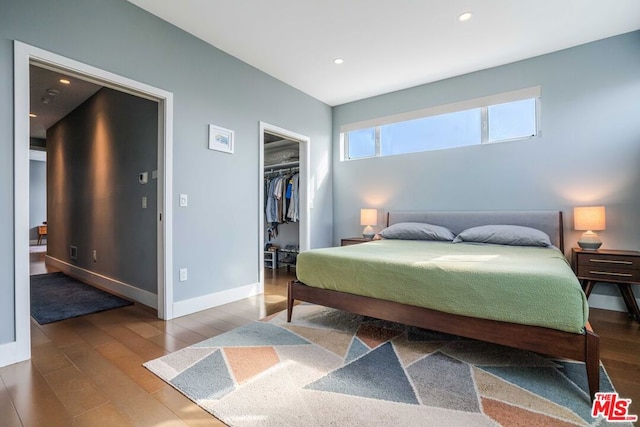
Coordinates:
x,y
362,143
504,117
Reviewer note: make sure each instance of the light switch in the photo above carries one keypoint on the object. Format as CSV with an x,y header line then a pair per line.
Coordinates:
x,y
183,274
143,178
184,201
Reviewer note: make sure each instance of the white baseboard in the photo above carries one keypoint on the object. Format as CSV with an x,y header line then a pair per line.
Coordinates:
x,y
123,289
193,305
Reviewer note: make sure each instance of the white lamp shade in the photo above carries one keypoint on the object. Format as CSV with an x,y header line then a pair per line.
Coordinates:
x,y
368,217
589,218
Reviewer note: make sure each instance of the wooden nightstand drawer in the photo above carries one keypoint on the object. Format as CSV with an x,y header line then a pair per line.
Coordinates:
x,y
596,260
353,241
606,273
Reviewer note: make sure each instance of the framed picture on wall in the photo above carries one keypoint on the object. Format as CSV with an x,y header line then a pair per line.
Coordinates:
x,y
221,139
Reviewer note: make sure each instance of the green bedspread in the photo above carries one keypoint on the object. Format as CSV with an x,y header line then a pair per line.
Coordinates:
x,y
526,285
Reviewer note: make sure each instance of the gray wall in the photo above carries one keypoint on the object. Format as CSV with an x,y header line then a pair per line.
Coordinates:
x,y
37,196
217,236
94,197
588,151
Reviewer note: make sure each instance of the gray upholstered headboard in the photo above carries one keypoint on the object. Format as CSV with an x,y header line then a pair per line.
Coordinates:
x,y
548,221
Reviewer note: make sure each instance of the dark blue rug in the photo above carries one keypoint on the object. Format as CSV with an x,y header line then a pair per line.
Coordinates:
x,y
56,296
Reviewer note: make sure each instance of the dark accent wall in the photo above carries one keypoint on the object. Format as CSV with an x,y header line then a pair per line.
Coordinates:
x,y
94,199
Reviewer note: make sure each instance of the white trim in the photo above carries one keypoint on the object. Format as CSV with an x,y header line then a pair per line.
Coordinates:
x,y
123,289
21,203
165,210
515,95
193,305
37,155
8,353
306,195
24,55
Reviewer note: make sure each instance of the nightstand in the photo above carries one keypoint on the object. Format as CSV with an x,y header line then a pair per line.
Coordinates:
x,y
353,241
611,266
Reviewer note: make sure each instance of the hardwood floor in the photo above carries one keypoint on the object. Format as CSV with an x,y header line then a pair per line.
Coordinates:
x,y
88,371
620,352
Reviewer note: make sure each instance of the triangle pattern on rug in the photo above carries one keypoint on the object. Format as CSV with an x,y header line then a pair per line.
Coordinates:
x,y
536,380
575,372
254,334
186,357
336,342
507,415
247,362
410,351
358,378
495,389
373,336
356,350
444,382
208,379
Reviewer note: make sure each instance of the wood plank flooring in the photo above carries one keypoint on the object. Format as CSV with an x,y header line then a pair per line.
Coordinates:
x,y
88,371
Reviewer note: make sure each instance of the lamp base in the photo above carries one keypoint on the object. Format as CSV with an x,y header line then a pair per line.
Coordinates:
x,y
368,232
589,241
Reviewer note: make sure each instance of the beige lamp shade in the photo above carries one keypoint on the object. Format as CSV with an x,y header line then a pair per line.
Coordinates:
x,y
368,217
589,218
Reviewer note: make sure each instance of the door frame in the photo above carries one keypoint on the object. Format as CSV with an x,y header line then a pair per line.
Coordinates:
x,y
305,220
25,55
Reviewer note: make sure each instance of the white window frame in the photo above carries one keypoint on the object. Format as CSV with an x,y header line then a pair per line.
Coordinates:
x,y
478,103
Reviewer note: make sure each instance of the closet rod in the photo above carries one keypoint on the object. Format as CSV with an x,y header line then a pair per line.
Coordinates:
x,y
282,170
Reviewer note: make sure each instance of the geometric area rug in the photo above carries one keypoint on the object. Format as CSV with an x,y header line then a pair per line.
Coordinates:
x,y
332,368
56,296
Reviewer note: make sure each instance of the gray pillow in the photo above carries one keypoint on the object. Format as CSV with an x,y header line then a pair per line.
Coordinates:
x,y
514,235
417,231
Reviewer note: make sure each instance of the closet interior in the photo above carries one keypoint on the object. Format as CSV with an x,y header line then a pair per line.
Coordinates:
x,y
281,201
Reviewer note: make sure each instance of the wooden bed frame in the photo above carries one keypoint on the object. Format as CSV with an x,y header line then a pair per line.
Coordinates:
x,y
583,347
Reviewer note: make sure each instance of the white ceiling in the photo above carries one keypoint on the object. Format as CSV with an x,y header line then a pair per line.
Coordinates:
x,y
51,100
390,45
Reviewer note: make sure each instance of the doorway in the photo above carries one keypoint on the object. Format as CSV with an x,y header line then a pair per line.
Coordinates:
x,y
288,155
24,56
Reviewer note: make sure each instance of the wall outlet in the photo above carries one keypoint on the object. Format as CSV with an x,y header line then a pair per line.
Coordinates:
x,y
73,252
144,203
183,274
184,200
95,256
143,177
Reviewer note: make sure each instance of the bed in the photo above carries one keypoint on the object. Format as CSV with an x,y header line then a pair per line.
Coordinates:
x,y
522,295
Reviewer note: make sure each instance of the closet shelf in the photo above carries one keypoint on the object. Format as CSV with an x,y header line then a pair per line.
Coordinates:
x,y
281,165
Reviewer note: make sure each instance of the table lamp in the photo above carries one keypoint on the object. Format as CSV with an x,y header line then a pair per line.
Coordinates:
x,y
588,219
368,217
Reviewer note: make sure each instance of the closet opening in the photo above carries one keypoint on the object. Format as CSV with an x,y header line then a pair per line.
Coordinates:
x,y
284,227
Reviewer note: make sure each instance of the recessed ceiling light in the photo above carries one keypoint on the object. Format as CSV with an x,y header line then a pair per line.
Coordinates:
x,y
338,61
33,115
65,81
465,16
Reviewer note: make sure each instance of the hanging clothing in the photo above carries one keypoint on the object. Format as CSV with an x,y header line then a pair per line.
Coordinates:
x,y
282,199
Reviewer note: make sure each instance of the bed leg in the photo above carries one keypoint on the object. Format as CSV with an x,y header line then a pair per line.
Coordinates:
x,y
289,302
592,361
